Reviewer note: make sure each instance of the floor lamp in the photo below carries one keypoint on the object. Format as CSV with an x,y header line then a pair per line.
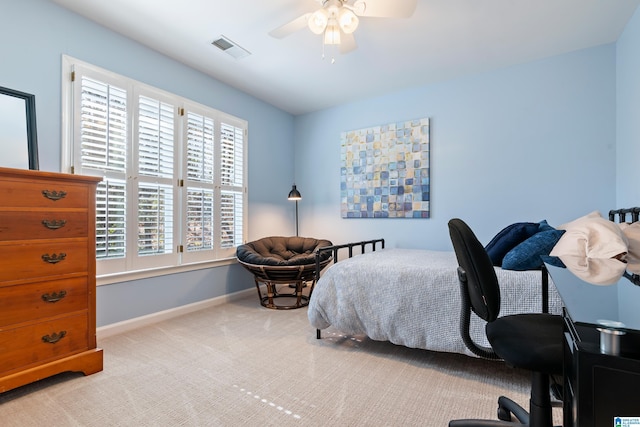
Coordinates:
x,y
294,194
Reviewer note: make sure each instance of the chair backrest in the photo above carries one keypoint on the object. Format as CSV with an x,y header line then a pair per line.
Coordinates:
x,y
476,272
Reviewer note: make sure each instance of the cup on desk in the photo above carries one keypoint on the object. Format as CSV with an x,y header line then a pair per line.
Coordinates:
x,y
610,337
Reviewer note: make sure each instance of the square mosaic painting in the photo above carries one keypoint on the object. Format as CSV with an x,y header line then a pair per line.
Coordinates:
x,y
385,171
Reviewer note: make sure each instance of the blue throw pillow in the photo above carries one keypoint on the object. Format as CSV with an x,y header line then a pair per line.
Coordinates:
x,y
526,256
544,226
508,238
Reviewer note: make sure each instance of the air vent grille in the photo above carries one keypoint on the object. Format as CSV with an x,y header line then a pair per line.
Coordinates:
x,y
222,44
226,45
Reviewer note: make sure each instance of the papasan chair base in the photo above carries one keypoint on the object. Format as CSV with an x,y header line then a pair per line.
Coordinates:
x,y
283,263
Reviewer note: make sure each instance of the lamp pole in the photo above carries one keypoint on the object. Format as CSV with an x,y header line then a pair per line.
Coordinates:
x,y
295,195
296,218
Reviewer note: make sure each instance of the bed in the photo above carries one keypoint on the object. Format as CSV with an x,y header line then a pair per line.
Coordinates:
x,y
411,297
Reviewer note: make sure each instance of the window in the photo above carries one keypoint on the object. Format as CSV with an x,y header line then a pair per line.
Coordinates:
x,y
173,191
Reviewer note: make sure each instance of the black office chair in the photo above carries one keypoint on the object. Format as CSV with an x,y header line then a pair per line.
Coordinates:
x,y
530,341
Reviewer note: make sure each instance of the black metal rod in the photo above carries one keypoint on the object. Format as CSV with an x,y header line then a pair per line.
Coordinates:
x,y
296,218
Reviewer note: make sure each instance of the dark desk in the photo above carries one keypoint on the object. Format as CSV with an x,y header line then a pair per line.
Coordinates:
x,y
602,351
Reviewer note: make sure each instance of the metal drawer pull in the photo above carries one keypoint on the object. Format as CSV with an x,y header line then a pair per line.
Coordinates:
x,y
54,338
54,195
54,224
54,259
54,297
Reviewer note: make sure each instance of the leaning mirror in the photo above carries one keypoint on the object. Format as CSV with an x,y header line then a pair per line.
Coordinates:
x,y
18,140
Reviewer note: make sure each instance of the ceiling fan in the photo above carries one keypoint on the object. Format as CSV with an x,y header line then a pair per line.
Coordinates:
x,y
336,20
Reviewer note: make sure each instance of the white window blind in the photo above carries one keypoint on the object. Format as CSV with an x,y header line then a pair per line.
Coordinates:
x,y
173,189
103,140
232,173
111,219
155,183
200,182
103,126
156,136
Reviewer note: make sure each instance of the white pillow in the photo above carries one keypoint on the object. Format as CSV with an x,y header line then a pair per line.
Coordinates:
x,y
594,214
597,271
632,233
591,237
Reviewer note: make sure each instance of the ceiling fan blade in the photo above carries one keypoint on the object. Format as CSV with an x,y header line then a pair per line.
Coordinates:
x,y
347,43
385,8
291,27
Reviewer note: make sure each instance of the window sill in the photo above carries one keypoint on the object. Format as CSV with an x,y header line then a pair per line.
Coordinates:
x,y
108,279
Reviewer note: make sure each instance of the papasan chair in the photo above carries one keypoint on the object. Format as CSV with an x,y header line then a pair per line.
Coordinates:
x,y
279,261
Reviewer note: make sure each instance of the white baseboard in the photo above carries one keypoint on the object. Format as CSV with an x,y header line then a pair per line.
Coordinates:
x,y
138,322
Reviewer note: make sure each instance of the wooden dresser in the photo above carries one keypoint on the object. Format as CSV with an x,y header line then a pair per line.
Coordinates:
x,y
47,276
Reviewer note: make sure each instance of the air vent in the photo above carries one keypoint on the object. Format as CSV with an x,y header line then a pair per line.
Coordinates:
x,y
230,47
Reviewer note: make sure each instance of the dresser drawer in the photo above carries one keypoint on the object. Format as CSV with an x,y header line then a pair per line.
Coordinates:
x,y
42,258
50,194
22,303
30,345
51,224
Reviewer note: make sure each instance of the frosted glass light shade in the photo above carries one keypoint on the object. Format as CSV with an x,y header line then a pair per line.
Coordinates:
x,y
332,33
348,20
318,21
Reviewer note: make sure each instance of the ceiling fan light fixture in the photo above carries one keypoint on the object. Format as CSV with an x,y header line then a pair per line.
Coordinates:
x,y
348,20
332,33
337,20
318,21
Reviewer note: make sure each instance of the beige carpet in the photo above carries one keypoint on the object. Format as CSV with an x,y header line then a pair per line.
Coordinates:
x,y
241,364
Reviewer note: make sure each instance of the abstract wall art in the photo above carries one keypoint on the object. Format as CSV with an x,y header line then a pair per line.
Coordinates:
x,y
385,171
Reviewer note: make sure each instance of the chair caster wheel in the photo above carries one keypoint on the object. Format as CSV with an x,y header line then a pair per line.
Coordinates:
x,y
504,414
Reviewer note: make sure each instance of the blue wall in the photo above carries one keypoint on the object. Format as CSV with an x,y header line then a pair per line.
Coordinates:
x,y
527,142
628,114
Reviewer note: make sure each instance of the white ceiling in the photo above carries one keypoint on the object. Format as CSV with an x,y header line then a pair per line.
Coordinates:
x,y
442,40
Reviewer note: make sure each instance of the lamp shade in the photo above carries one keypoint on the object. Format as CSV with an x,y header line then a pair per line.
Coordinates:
x,y
348,20
318,21
294,194
332,33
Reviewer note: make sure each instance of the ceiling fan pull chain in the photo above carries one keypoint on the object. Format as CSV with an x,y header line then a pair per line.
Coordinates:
x,y
333,49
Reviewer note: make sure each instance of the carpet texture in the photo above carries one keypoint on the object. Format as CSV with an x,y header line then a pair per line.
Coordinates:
x,y
241,364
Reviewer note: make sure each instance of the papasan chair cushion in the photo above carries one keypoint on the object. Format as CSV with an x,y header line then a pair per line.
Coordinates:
x,y
283,251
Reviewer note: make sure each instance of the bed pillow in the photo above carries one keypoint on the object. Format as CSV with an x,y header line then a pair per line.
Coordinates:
x,y
594,214
591,237
544,226
597,271
526,255
508,238
632,233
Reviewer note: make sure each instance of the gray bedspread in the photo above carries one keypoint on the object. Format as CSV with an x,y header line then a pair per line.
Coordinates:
x,y
411,297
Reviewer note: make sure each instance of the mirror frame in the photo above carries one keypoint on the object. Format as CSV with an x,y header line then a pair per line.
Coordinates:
x,y
30,114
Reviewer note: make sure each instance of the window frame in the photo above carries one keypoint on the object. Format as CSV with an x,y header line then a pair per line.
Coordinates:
x,y
179,260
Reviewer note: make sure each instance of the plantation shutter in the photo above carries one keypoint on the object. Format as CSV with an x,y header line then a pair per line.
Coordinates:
x,y
155,186
199,185
173,176
232,185
103,135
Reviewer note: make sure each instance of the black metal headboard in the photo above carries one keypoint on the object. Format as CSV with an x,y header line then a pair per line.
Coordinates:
x,y
621,214
335,248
